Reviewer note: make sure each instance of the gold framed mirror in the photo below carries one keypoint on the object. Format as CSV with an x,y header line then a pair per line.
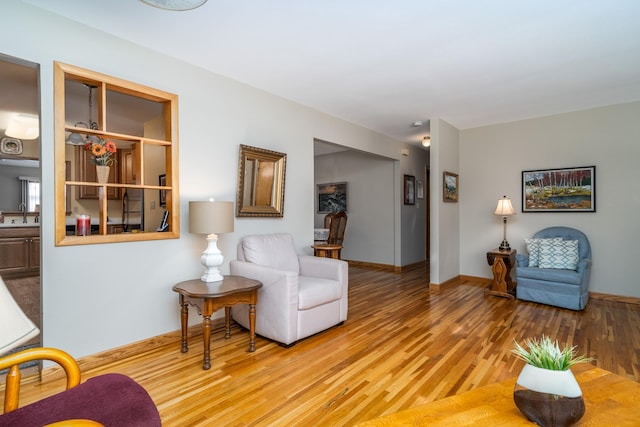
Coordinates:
x,y
261,176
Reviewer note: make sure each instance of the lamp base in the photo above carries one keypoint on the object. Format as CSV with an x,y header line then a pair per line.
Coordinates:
x,y
504,246
212,275
212,259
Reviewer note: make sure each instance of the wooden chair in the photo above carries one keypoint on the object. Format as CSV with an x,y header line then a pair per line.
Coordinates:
x,y
109,399
336,222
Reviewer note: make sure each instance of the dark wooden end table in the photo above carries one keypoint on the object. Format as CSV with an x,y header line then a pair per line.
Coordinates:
x,y
226,293
501,262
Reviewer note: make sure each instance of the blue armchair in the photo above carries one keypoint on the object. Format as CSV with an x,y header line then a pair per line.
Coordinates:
x,y
556,270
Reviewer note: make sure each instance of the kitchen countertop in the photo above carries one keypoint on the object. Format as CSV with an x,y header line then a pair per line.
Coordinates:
x,y
19,225
71,220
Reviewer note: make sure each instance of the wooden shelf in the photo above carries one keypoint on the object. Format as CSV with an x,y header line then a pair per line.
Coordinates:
x,y
139,160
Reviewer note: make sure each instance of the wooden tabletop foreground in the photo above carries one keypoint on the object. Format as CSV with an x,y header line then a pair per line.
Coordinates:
x,y
609,400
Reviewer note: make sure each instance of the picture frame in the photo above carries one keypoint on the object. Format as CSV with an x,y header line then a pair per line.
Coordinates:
x,y
409,190
332,197
559,190
419,190
450,187
162,181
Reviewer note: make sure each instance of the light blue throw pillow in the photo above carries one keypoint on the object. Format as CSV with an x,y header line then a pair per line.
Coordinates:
x,y
533,248
561,254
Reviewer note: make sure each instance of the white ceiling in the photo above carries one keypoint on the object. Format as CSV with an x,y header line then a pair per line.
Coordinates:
x,y
384,64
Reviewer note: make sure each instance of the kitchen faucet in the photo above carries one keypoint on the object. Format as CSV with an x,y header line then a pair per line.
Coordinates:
x,y
23,209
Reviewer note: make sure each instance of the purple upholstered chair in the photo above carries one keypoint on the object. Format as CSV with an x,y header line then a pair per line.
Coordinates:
x,y
109,400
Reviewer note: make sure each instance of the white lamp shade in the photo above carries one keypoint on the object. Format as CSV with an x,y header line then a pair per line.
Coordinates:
x,y
504,208
15,326
210,217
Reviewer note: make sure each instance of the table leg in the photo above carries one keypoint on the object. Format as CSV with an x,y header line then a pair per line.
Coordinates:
x,y
227,322
206,336
184,316
252,327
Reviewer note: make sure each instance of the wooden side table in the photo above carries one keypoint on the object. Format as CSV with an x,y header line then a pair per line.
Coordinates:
x,y
501,263
327,251
226,293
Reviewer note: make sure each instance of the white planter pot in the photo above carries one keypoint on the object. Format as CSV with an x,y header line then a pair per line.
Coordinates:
x,y
548,398
561,383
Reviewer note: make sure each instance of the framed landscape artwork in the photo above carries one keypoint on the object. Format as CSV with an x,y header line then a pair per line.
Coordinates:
x,y
332,197
559,190
450,187
409,190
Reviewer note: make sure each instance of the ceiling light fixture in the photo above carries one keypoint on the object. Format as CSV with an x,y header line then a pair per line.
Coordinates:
x,y
23,126
426,141
79,139
176,5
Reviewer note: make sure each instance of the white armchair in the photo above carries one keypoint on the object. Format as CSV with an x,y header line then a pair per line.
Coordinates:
x,y
300,295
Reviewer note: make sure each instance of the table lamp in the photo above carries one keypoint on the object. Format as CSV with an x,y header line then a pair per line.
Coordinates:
x,y
504,209
15,327
211,218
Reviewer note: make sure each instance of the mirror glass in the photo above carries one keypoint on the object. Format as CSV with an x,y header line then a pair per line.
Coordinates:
x,y
19,140
261,179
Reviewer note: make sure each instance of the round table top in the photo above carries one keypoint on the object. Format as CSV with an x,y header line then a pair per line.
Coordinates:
x,y
326,246
230,284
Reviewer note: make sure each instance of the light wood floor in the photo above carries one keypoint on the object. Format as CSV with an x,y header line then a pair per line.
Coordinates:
x,y
402,345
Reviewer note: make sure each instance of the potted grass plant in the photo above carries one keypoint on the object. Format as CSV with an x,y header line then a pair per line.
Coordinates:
x,y
546,390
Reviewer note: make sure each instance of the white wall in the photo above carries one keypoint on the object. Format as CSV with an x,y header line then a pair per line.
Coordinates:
x,y
98,297
12,186
414,217
370,203
492,159
374,187
445,217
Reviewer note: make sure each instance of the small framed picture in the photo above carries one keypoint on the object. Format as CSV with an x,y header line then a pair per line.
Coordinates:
x,y
162,181
409,190
419,190
332,197
450,187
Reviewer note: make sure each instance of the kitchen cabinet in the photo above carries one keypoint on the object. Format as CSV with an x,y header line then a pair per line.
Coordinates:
x,y
19,251
127,163
86,172
115,228
123,172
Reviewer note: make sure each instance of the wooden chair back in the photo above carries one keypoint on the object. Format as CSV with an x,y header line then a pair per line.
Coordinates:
x,y
13,362
336,222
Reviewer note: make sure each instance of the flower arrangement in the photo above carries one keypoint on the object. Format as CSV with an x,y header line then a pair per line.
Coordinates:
x,y
102,151
546,354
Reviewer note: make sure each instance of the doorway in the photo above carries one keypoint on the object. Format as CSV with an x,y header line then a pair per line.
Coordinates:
x,y
427,219
20,174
